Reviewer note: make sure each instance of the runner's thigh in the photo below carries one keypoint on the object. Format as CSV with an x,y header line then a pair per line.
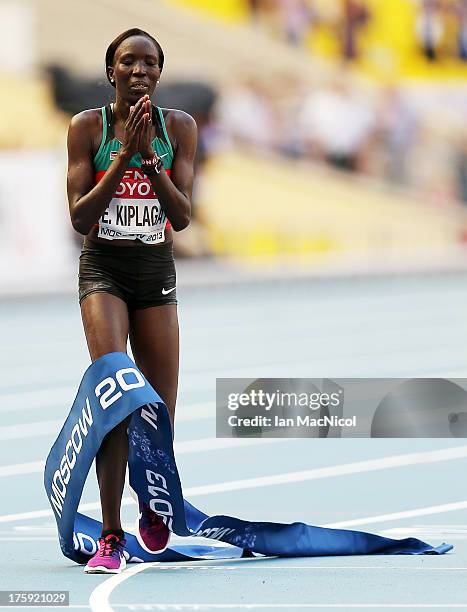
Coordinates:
x,y
154,342
105,321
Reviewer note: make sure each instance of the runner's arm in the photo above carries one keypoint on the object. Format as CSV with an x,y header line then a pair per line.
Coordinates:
x,y
86,200
174,193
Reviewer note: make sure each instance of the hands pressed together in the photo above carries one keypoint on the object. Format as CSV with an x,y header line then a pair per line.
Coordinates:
x,y
138,129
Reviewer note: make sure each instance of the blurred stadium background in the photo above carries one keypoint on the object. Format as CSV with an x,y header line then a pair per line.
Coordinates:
x,y
332,133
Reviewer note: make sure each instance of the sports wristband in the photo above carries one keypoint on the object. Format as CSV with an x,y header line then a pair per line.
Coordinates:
x,y
153,164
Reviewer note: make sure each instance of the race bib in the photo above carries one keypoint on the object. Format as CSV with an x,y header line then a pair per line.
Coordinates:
x,y
135,212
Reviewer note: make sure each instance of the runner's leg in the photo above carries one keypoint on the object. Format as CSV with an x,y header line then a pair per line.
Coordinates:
x,y
105,321
154,339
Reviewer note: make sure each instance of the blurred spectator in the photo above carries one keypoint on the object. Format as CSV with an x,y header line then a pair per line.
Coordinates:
x,y
246,113
397,127
355,15
287,19
288,101
266,14
462,174
461,167
256,7
337,125
429,28
297,17
459,8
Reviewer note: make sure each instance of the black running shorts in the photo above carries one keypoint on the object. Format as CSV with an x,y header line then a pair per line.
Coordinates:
x,y
142,276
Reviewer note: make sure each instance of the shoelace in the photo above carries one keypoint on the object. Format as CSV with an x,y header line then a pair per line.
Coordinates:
x,y
109,545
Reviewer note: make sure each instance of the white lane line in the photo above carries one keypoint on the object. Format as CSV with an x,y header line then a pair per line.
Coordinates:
x,y
36,399
24,516
289,477
16,469
30,430
198,379
190,412
428,529
432,529
369,465
99,599
395,516
212,444
185,447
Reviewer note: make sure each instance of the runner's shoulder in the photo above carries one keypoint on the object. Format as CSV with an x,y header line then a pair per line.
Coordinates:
x,y
180,125
178,119
88,120
85,131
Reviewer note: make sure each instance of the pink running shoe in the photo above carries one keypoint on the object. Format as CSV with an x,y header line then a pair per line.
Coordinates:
x,y
151,532
109,558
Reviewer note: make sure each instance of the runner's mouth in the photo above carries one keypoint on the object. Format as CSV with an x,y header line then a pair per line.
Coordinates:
x,y
139,87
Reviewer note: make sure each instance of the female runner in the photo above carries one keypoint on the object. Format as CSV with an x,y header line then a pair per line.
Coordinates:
x,y
130,178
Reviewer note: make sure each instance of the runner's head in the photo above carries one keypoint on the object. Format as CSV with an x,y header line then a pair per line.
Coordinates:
x,y
133,63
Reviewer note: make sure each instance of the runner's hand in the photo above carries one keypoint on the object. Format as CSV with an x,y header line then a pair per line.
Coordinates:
x,y
133,126
145,141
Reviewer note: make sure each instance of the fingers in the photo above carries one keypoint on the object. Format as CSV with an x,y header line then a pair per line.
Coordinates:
x,y
146,126
137,110
145,110
137,133
135,117
138,124
141,100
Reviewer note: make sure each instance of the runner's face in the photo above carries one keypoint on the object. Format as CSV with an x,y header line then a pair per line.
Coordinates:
x,y
136,68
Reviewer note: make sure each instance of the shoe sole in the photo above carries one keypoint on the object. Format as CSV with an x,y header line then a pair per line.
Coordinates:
x,y
100,569
137,533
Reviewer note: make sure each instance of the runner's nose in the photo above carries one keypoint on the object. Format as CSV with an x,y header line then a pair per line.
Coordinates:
x,y
139,68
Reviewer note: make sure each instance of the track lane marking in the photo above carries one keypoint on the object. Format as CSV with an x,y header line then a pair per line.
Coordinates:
x,y
193,412
393,461
99,599
185,447
395,516
207,444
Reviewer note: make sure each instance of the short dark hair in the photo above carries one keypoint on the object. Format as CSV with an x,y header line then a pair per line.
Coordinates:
x,y
112,48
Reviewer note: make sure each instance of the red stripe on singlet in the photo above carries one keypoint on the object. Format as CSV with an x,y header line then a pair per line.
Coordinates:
x,y
130,187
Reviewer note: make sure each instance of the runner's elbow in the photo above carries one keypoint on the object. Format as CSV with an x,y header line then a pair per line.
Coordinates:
x,y
182,223
81,230
78,219
79,225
